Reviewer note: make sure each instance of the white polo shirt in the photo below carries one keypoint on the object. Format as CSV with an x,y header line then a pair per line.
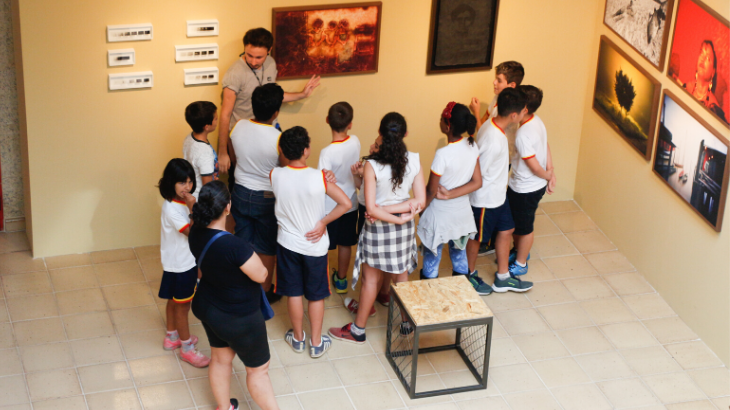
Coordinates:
x,y
494,163
455,163
531,142
338,157
175,253
384,194
257,153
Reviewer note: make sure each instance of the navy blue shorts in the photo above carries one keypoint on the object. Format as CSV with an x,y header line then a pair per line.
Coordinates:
x,y
179,286
298,275
523,207
490,220
343,230
255,218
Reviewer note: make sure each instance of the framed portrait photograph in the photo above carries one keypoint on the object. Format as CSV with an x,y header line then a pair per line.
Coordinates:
x,y
462,35
333,39
700,57
643,24
626,97
691,158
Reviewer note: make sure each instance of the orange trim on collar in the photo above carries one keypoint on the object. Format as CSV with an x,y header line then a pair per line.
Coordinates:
x,y
454,142
179,202
498,127
297,168
528,120
340,142
260,123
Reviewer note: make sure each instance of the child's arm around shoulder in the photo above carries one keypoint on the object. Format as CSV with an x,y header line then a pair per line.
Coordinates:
x,y
343,205
474,183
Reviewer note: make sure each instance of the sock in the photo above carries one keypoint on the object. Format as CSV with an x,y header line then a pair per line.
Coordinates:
x,y
312,343
521,265
172,335
503,276
357,331
473,273
187,345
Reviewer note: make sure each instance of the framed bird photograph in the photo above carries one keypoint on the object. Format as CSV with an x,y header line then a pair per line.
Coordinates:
x,y
643,24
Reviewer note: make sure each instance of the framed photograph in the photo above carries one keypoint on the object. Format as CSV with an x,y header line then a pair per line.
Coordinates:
x,y
626,97
643,24
333,39
691,158
700,57
462,35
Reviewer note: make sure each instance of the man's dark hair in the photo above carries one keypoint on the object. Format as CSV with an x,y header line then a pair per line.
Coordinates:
x,y
199,114
258,37
340,116
534,97
509,101
512,71
266,101
293,142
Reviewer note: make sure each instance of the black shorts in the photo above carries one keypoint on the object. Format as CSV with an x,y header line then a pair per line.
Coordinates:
x,y
298,275
523,207
179,286
343,231
490,220
246,335
360,218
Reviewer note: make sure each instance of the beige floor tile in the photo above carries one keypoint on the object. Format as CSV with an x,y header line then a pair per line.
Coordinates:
x,y
627,393
491,403
504,352
114,255
152,268
114,400
446,361
693,355
537,272
714,382
514,378
155,370
539,346
673,387
559,207
588,288
650,360
722,402
128,296
108,376
68,403
369,370
146,252
20,262
628,283
465,378
549,293
80,301
203,395
80,277
544,226
498,331
581,397
6,336
46,357
32,307
137,319
649,306
424,367
4,317
628,335
14,242
345,350
609,262
147,343
423,384
564,267
10,363
565,316
377,396
573,222
169,396
560,372
375,338
590,241
284,402
117,273
336,317
67,261
692,405
13,391
605,366
53,384
335,399
532,400
26,284
670,330
96,351
287,356
584,340
88,325
552,246
520,322
507,301
41,331
604,311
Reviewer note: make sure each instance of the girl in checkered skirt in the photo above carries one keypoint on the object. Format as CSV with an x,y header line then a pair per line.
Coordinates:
x,y
387,245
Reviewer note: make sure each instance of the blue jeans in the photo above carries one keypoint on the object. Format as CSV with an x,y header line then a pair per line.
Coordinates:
x,y
255,218
431,262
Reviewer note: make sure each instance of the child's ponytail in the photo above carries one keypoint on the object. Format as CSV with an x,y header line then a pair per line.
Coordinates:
x,y
212,201
462,121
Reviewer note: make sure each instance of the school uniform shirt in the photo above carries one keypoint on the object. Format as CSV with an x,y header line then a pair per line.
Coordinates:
x,y
300,194
531,142
338,157
384,194
257,153
494,163
242,80
174,250
203,158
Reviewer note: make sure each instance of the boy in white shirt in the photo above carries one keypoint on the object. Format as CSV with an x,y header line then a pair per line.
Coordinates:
x,y
302,238
339,157
202,116
532,175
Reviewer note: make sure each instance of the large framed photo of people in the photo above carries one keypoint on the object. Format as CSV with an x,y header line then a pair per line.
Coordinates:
x,y
462,35
691,158
700,57
333,39
643,24
626,97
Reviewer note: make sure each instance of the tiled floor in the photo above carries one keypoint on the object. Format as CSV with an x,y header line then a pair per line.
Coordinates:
x,y
85,331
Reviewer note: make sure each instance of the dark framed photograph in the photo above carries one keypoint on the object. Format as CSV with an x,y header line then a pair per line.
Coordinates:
x,y
700,56
643,24
333,39
462,35
691,158
626,97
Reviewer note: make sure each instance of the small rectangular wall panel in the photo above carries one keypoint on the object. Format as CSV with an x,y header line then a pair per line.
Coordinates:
x,y
202,28
129,32
124,56
196,52
126,81
197,76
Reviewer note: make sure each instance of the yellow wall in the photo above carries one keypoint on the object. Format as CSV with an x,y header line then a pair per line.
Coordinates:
x,y
681,256
94,156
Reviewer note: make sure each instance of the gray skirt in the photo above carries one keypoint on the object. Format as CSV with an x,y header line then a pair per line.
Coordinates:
x,y
388,247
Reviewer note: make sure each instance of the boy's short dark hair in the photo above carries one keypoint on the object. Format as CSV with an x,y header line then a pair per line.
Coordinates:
x,y
510,100
199,114
534,97
266,101
293,142
512,71
258,37
177,170
340,116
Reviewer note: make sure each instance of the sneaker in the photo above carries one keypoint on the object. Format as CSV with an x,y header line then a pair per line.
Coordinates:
x,y
195,358
339,284
271,296
512,283
486,249
343,333
352,305
482,288
517,270
406,328
383,299
513,256
296,345
168,344
234,405
318,351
